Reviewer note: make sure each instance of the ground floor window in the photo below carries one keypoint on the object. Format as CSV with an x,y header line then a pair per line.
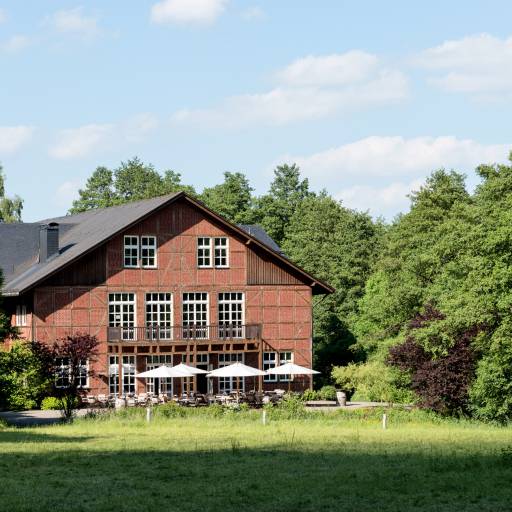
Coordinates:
x,y
129,372
113,375
159,386
63,370
269,361
228,384
285,357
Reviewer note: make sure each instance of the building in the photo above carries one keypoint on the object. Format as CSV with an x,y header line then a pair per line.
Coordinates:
x,y
159,281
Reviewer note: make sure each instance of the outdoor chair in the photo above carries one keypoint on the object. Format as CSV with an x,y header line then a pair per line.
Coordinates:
x,y
131,402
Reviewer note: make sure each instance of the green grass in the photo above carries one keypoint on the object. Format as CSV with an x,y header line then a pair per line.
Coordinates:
x,y
199,462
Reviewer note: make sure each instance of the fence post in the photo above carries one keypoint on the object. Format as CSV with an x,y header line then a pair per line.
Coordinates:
x,y
148,414
264,417
384,421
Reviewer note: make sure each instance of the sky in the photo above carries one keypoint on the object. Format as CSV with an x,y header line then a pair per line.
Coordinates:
x,y
367,97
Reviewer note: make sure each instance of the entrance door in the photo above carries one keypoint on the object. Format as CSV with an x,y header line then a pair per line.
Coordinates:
x,y
202,361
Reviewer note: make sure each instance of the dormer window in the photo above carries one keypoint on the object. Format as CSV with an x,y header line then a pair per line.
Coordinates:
x,y
140,252
213,252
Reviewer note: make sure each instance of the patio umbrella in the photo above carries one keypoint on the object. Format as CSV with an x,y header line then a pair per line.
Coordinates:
x,y
163,371
236,370
192,370
291,369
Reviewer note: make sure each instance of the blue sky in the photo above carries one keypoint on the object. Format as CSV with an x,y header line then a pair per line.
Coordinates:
x,y
367,97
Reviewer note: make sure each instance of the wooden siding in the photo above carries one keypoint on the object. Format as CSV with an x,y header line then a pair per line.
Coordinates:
x,y
91,270
262,270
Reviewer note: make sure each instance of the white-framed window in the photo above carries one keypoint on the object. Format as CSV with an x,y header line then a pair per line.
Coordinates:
x,y
195,307
121,313
62,373
231,314
21,315
159,316
113,375
228,384
163,385
204,252
131,251
221,252
269,361
148,251
129,372
213,252
285,357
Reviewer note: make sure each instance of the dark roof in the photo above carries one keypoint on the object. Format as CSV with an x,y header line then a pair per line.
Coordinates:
x,y
258,232
79,234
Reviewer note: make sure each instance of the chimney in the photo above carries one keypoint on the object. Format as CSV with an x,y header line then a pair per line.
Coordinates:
x,y
48,241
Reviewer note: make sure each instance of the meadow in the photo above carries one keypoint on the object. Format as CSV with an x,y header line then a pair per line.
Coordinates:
x,y
226,462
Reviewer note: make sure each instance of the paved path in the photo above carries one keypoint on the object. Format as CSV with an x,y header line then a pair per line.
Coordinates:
x,y
31,418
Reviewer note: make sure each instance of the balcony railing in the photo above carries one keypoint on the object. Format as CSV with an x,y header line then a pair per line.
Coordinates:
x,y
185,333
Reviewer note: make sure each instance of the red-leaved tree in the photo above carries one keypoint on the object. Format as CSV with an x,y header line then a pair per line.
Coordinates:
x,y
441,383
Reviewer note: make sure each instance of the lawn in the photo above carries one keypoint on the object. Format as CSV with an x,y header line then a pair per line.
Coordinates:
x,y
323,462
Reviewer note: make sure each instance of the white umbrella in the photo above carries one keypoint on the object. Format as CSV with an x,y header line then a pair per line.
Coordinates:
x,y
291,369
191,370
236,370
162,372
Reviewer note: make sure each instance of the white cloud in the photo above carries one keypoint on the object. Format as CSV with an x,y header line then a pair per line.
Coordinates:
x,y
79,142
386,200
13,138
67,192
14,44
198,12
478,65
310,88
393,156
75,22
92,138
330,70
253,13
376,173
3,15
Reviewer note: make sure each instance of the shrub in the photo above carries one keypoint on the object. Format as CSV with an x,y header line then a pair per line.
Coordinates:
x,y
310,394
290,407
51,403
328,393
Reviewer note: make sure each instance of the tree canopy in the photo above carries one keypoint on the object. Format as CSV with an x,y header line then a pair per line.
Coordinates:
x,y
10,207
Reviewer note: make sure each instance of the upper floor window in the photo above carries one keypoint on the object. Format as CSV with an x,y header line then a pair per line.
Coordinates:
x,y
21,315
148,251
213,252
131,251
139,252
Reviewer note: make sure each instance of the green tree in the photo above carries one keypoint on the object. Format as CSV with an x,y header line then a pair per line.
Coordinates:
x,y
231,199
10,208
339,246
275,209
131,181
98,192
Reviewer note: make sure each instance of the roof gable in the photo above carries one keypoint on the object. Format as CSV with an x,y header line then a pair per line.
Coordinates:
x,y
82,233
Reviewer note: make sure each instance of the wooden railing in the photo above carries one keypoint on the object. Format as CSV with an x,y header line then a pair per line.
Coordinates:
x,y
184,333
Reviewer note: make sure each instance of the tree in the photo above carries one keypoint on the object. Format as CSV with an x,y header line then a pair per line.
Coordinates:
x,y
76,350
275,209
98,192
339,246
131,181
10,208
232,198
24,375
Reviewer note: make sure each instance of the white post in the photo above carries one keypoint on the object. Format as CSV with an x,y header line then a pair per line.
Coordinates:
x,y
148,414
264,417
384,421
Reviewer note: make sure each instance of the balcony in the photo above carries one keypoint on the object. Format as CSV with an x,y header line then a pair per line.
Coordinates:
x,y
179,333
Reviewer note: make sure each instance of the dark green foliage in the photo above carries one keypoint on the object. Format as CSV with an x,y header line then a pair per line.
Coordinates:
x,y
24,376
131,181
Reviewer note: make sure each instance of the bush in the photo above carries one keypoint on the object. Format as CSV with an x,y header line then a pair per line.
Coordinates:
x,y
51,403
290,407
309,394
328,393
